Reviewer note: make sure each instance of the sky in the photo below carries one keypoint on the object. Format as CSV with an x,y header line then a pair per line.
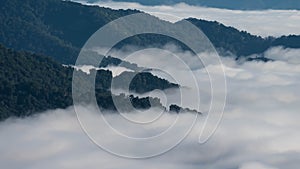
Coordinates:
x,y
263,22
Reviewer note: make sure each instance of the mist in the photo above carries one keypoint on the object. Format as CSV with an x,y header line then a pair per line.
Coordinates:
x,y
259,128
263,22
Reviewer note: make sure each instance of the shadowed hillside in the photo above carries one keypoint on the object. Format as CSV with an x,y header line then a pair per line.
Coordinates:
x,y
32,83
60,28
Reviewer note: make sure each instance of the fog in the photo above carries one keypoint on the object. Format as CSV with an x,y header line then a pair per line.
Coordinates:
x,y
264,22
288,55
259,128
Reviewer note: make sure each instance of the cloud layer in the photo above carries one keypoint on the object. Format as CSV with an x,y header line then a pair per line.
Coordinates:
x,y
264,23
259,129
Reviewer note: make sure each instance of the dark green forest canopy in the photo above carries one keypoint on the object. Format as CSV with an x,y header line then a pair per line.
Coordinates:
x,y
142,82
60,28
241,43
32,83
52,27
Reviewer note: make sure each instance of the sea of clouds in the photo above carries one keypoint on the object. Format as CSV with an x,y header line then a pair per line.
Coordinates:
x,y
259,128
263,23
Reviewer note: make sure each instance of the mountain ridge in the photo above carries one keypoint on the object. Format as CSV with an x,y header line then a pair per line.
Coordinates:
x,y
32,83
60,28
227,4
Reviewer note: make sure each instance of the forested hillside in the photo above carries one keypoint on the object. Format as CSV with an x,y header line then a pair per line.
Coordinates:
x,y
51,27
241,43
32,83
60,28
53,31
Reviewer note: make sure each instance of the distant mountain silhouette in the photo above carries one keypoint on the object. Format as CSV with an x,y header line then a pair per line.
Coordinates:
x,y
60,28
241,43
53,31
228,4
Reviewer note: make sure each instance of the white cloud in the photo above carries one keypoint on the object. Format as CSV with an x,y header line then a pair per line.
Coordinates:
x,y
259,129
264,23
255,165
284,54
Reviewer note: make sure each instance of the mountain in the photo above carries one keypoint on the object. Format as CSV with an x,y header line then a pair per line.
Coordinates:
x,y
60,28
53,31
227,4
241,43
32,83
142,82
51,27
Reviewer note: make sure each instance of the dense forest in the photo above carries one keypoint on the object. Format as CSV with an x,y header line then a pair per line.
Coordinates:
x,y
141,82
32,83
60,28
52,32
241,43
51,27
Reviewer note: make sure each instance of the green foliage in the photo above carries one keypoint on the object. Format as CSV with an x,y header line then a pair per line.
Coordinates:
x,y
291,41
230,39
175,108
142,82
33,83
60,28
52,27
241,43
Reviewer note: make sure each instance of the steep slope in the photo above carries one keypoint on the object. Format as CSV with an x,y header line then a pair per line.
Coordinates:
x,y
32,83
230,39
52,27
241,43
59,29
